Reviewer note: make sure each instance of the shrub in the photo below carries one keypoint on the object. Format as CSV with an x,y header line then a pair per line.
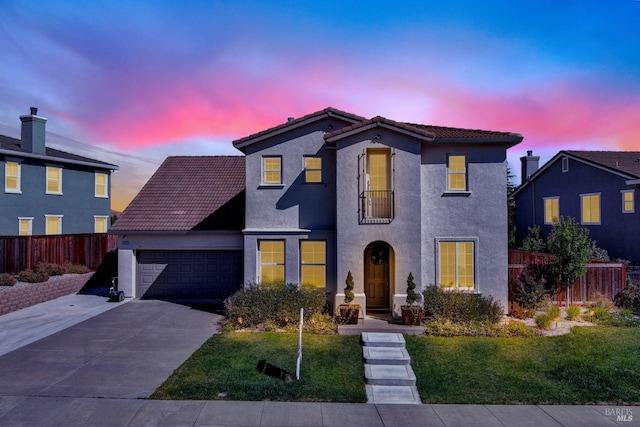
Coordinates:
x,y
321,323
519,312
554,312
543,321
51,269
573,312
31,276
600,301
458,306
7,279
596,314
75,269
275,305
478,329
625,312
629,297
534,285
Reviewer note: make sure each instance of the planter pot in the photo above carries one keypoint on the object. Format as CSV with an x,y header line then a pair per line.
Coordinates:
x,y
348,314
412,316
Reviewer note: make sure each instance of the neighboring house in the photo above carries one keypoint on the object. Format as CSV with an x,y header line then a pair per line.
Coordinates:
x,y
48,191
597,188
325,194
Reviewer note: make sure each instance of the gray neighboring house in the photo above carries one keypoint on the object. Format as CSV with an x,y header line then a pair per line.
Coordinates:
x,y
332,192
597,188
48,191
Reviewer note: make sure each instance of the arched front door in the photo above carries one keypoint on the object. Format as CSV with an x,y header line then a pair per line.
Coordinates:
x,y
377,285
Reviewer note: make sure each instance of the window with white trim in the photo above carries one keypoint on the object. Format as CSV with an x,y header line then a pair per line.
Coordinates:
x,y
457,172
565,164
54,180
551,210
101,185
100,223
456,262
53,224
590,204
25,226
271,170
271,255
12,177
628,201
313,263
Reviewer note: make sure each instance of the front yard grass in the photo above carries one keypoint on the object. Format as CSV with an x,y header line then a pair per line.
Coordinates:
x,y
589,365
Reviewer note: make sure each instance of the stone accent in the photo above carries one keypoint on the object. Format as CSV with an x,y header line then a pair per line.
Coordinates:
x,y
16,297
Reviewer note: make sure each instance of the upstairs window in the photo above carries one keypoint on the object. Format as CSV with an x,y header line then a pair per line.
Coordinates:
x,y
551,210
377,187
590,209
101,183
271,261
312,169
12,177
628,201
53,224
272,170
54,180
457,173
313,263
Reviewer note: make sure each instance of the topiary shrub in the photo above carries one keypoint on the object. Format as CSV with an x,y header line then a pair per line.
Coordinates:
x,y
456,306
31,276
276,304
348,290
51,269
7,279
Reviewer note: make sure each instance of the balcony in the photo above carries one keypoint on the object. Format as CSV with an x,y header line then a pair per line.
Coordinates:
x,y
376,207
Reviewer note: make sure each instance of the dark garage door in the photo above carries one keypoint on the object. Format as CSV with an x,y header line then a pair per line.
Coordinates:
x,y
188,275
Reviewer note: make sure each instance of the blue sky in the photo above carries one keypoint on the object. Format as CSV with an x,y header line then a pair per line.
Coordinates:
x,y
133,82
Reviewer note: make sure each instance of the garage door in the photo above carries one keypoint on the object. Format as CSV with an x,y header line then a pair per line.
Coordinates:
x,y
188,275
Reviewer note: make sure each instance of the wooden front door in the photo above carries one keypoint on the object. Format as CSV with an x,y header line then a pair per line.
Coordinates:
x,y
376,275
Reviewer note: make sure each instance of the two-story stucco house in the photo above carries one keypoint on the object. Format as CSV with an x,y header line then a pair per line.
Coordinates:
x,y
597,188
48,191
332,192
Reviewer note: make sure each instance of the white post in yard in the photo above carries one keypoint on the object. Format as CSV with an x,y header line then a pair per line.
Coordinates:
x,y
299,345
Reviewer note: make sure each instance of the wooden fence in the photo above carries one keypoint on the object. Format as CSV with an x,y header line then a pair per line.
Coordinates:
x,y
605,278
18,253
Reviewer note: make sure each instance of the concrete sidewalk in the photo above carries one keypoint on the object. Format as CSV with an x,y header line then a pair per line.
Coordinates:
x,y
29,411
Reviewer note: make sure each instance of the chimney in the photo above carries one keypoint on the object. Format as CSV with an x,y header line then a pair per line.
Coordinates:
x,y
32,137
530,164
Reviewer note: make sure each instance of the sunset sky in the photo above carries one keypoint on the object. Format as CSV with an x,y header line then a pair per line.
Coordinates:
x,y
131,82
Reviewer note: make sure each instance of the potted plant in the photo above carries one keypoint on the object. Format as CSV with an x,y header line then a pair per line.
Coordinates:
x,y
413,311
348,313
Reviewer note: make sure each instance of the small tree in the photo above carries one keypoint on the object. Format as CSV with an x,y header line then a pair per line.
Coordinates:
x,y
534,242
570,244
348,290
412,296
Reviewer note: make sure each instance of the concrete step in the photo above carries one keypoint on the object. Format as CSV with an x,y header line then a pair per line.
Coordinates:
x,y
390,375
385,356
382,339
381,394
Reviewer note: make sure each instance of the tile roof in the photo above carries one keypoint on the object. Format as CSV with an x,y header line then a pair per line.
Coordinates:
x,y
187,193
443,132
13,144
379,119
623,161
289,123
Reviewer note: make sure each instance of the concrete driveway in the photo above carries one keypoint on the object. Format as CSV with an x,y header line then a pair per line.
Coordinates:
x,y
126,352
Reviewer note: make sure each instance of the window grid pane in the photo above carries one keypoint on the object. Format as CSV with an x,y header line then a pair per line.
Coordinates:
x,y
12,176
53,180
313,169
101,184
591,209
378,170
271,261
25,227
457,173
628,202
272,170
100,225
313,259
53,225
551,211
457,269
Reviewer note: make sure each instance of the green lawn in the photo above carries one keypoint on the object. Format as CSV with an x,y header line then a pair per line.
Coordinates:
x,y
590,365
225,368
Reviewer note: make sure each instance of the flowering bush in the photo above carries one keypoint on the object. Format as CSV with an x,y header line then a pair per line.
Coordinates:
x,y
629,297
7,279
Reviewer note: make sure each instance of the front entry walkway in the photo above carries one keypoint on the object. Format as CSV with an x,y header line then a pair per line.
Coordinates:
x,y
377,324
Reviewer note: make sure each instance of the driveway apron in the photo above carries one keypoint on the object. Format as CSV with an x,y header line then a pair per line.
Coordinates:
x,y
126,352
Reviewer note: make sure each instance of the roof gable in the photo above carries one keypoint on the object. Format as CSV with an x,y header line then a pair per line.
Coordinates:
x,y
379,121
189,193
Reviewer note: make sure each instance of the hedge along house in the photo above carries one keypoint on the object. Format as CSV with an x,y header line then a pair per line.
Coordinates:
x,y
333,192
